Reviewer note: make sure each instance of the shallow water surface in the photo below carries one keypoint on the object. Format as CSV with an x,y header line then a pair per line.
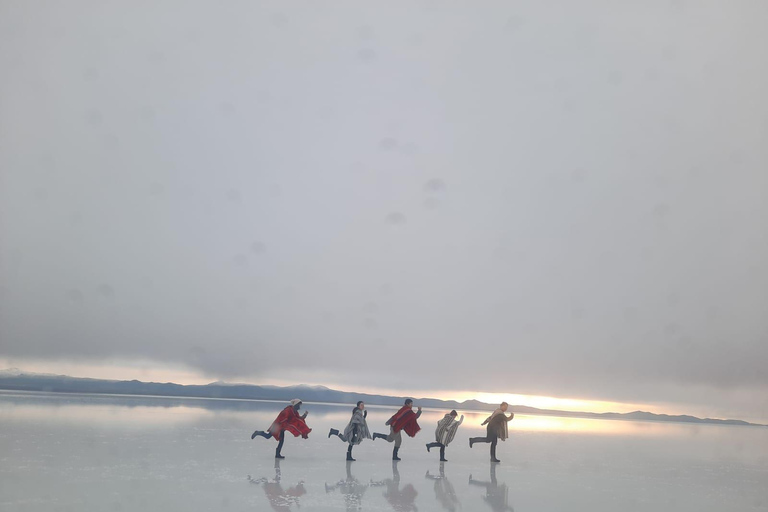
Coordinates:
x,y
97,452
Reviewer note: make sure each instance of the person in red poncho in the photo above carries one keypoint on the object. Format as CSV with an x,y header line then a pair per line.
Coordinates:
x,y
404,419
288,420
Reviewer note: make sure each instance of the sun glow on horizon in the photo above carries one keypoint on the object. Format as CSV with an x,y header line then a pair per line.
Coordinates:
x,y
537,401
556,403
152,372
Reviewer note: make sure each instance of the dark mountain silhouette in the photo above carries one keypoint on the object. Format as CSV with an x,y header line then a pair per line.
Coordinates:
x,y
17,380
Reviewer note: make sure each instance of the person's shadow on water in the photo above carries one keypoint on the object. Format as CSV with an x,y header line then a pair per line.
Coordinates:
x,y
351,489
402,500
444,491
280,499
496,494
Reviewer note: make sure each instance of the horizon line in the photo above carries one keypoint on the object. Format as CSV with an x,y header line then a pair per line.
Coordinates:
x,y
543,411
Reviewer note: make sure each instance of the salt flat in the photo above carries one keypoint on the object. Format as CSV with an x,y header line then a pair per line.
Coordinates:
x,y
92,452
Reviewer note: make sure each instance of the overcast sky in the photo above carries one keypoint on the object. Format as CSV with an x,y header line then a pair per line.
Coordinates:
x,y
553,198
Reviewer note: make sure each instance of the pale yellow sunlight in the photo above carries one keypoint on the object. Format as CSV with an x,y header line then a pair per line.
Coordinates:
x,y
529,423
561,404
537,401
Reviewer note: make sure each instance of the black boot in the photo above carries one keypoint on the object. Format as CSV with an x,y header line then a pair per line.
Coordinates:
x,y
255,433
493,453
280,446
394,454
442,454
376,436
349,453
333,432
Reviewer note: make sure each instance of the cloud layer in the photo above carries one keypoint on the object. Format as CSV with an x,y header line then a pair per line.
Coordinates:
x,y
562,201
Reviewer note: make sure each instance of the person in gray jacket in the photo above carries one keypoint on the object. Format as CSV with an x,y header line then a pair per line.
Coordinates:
x,y
356,430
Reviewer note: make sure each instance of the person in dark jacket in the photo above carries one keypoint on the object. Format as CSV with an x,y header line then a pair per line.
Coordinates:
x,y
356,430
496,429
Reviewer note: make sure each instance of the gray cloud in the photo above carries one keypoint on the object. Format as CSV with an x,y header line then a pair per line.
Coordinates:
x,y
563,201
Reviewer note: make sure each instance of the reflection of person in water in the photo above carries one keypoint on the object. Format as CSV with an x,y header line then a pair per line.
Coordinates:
x,y
402,500
444,491
496,495
496,429
444,433
288,420
280,499
404,419
356,430
351,489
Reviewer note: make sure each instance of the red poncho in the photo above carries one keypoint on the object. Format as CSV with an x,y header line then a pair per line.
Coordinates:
x,y
289,421
405,419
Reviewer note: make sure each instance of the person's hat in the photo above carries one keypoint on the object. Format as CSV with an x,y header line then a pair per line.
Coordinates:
x,y
295,402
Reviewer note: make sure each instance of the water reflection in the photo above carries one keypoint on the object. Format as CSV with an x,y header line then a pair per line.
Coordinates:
x,y
444,491
496,494
102,414
280,499
402,500
94,452
351,488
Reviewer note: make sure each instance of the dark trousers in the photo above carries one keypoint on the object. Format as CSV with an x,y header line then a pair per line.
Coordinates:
x,y
442,448
267,435
494,440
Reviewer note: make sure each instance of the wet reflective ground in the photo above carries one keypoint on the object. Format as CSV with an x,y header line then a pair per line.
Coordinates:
x,y
91,452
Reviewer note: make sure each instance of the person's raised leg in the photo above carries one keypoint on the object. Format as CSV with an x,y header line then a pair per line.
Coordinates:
x,y
261,433
473,440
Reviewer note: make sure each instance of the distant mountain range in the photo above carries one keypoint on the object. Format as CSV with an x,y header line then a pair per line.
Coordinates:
x,y
17,380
